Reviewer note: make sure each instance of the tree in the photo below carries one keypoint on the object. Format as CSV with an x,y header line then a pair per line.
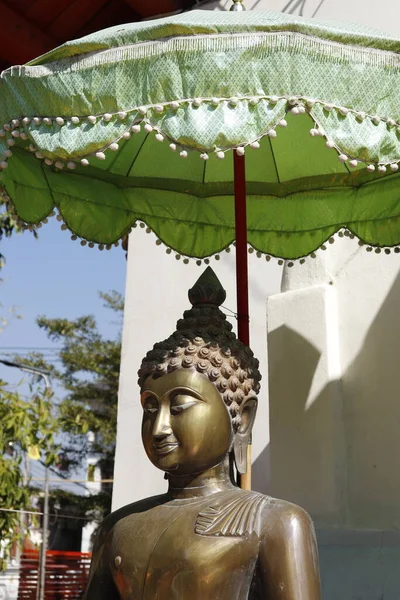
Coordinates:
x,y
8,223
89,372
27,424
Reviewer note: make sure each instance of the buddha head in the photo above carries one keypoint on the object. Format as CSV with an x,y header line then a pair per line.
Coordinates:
x,y
199,389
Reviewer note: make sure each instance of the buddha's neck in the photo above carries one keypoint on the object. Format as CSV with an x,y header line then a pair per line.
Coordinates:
x,y
216,479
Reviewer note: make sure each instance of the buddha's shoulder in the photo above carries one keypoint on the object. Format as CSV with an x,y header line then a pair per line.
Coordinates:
x,y
129,511
241,512
280,517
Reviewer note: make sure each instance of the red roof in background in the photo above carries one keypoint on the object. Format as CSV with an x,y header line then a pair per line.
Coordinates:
x,y
66,575
32,27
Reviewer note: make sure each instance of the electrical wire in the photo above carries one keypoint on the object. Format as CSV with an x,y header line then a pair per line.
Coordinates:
x,y
72,480
37,512
32,348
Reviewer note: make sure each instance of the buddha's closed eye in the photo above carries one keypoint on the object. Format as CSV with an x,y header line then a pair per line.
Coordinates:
x,y
182,402
150,410
150,405
178,403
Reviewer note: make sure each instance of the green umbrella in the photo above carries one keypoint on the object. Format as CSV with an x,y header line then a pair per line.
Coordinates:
x,y
139,123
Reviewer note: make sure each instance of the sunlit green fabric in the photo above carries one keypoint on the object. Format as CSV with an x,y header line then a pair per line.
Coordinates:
x,y
299,193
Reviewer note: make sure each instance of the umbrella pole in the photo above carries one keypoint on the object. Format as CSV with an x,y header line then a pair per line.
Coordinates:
x,y
242,279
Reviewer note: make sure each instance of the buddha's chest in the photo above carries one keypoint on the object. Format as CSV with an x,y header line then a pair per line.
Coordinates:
x,y
174,554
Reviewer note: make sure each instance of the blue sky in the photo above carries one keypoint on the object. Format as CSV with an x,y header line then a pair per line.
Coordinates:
x,y
56,277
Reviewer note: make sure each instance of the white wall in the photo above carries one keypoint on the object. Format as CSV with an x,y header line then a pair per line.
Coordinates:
x,y
92,487
156,296
379,15
334,342
9,581
335,419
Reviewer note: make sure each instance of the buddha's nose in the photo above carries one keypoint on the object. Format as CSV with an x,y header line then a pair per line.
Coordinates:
x,y
162,425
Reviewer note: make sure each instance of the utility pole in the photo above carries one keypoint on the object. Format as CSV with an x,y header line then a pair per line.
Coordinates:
x,y
45,530
45,527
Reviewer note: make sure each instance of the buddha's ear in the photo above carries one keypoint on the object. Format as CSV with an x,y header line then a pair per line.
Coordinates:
x,y
248,410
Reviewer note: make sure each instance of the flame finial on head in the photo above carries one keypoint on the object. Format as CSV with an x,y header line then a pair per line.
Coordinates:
x,y
207,290
237,6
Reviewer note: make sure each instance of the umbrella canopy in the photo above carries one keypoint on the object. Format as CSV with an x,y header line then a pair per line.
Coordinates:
x,y
136,123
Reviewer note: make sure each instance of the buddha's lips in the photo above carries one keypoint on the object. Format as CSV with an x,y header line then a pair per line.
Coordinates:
x,y
164,447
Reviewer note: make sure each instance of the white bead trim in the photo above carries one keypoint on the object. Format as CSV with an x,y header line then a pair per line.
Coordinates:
x,y
231,101
296,105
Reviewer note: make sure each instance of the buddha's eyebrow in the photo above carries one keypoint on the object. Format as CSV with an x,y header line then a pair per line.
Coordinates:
x,y
186,390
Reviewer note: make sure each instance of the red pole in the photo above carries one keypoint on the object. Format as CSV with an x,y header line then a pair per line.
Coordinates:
x,y
242,280
242,277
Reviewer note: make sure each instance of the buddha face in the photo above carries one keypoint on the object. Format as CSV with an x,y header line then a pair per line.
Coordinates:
x,y
186,426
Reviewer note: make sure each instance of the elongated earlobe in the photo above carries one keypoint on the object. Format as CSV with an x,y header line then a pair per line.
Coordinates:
x,y
248,412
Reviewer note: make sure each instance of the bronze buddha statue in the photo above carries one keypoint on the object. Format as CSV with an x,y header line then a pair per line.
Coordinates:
x,y
205,539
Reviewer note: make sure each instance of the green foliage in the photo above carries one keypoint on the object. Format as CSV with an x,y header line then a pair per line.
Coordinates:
x,y
12,314
113,300
89,372
26,423
8,225
84,508
7,222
